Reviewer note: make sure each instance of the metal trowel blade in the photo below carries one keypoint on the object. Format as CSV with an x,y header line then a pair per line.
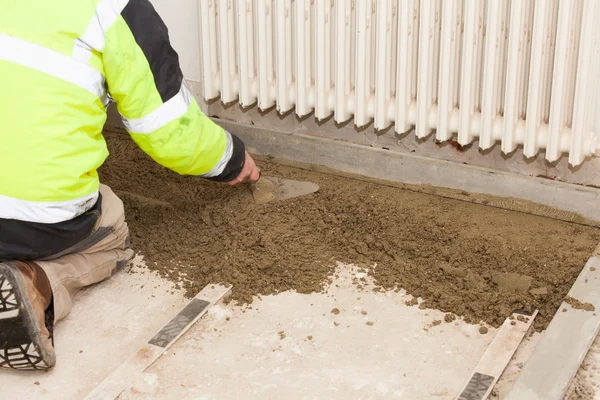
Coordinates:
x,y
269,189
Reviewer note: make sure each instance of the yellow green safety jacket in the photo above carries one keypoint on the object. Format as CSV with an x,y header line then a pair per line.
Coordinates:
x,y
61,62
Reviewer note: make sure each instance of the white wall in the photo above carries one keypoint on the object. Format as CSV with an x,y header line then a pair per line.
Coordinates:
x,y
181,17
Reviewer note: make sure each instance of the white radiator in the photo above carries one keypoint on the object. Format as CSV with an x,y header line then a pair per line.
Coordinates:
x,y
519,73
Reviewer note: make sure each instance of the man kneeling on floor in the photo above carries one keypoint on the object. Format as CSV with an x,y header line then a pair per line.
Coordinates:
x,y
60,230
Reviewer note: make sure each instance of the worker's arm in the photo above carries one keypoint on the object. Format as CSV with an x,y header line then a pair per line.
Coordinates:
x,y
144,78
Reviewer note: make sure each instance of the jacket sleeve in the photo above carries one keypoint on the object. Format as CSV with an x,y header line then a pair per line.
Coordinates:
x,y
144,78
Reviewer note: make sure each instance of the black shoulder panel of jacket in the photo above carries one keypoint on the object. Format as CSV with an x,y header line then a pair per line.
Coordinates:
x,y
152,35
235,164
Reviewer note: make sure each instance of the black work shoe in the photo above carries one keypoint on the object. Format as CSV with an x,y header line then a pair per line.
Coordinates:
x,y
26,317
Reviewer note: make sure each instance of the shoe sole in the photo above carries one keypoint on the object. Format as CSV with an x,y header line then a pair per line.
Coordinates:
x,y
20,338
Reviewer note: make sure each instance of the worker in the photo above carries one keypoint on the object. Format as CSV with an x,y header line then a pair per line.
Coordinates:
x,y
61,63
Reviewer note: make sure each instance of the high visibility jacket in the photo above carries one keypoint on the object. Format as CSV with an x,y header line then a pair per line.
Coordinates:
x,y
60,63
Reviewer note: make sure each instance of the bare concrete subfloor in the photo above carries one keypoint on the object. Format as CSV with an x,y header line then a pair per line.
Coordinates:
x,y
288,346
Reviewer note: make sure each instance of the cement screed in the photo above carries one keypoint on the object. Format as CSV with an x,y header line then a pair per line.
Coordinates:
x,y
477,262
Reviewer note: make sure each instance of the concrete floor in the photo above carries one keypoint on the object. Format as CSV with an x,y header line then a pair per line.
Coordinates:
x,y
264,352
288,347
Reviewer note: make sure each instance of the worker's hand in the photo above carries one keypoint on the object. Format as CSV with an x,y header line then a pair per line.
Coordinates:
x,y
250,172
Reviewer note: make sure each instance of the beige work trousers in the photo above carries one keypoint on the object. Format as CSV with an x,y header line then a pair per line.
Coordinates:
x,y
95,259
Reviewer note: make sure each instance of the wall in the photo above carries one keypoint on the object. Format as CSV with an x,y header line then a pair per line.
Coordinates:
x,y
181,17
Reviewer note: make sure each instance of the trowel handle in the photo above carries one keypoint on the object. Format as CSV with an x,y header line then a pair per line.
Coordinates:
x,y
259,177
253,184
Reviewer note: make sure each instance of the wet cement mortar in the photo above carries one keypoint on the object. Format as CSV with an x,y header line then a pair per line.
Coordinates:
x,y
478,262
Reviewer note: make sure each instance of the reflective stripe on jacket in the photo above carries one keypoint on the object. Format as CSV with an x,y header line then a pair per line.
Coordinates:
x,y
59,61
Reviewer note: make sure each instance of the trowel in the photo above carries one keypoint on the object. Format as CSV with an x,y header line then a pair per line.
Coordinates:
x,y
268,189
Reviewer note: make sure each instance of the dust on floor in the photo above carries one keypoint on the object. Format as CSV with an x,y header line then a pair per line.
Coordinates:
x,y
479,262
264,351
